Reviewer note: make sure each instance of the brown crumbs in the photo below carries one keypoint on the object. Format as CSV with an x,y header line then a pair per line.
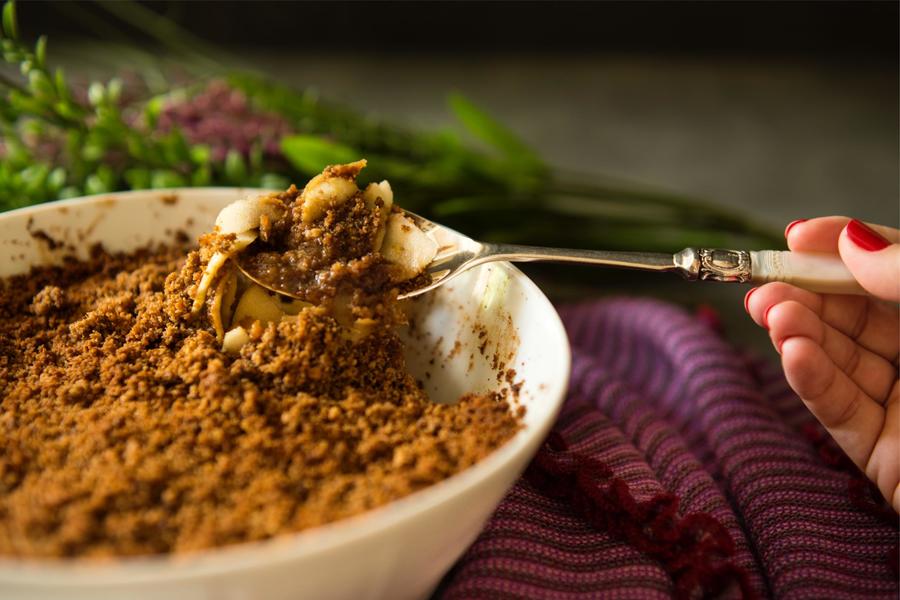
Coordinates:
x,y
161,402
126,430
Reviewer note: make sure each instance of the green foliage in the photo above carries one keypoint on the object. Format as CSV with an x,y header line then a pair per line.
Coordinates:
x,y
310,154
483,126
10,27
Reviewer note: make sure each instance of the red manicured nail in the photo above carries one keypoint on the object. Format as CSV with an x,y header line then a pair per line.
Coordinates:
x,y
865,237
780,344
766,317
787,229
747,300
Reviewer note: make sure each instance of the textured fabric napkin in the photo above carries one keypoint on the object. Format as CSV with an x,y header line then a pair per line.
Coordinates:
x,y
680,468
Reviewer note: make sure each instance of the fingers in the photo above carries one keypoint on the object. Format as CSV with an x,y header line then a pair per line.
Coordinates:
x,y
839,352
871,373
821,234
872,258
853,419
815,235
874,325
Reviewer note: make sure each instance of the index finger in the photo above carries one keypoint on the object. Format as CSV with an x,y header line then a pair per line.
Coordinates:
x,y
873,324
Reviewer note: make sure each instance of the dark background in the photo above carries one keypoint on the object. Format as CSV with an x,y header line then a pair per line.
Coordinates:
x,y
844,31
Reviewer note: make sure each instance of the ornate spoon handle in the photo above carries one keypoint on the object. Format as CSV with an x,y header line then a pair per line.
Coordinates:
x,y
815,272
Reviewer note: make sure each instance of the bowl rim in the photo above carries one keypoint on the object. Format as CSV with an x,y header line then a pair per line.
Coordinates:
x,y
288,547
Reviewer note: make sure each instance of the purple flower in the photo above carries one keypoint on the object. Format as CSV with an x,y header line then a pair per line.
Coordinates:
x,y
222,118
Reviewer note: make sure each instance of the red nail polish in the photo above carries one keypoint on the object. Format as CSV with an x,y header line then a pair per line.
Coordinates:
x,y
765,318
747,300
787,229
865,237
780,344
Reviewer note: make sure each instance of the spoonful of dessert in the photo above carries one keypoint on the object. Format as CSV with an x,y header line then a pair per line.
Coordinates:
x,y
329,247
333,244
429,255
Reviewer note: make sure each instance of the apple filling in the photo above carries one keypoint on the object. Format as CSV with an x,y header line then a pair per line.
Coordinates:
x,y
329,247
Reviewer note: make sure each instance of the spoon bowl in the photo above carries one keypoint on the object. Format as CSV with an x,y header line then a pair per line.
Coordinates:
x,y
455,254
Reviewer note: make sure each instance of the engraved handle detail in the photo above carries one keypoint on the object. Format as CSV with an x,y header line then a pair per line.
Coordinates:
x,y
823,273
725,265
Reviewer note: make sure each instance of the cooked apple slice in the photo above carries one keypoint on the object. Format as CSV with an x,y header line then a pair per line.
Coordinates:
x,y
372,194
332,187
241,219
406,246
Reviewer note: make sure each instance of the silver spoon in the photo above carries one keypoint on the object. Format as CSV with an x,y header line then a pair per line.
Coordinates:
x,y
457,254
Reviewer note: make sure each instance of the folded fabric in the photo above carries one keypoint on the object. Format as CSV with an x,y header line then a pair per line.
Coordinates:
x,y
681,468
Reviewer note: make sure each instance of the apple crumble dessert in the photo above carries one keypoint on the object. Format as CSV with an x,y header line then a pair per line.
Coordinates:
x,y
161,401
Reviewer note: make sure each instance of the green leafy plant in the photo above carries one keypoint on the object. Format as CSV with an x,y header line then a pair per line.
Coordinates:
x,y
58,141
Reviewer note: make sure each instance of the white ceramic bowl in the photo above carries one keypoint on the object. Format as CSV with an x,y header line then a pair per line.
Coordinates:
x,y
398,551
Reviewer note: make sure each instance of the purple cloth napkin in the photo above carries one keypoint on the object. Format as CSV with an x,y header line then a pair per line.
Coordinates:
x,y
680,468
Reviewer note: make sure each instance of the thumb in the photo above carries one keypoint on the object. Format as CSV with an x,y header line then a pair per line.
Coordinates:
x,y
872,255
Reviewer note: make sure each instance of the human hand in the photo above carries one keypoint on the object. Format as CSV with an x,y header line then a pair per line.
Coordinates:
x,y
840,353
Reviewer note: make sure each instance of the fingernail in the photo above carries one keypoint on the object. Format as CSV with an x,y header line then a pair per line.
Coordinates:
x,y
865,237
787,229
766,317
780,345
747,300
